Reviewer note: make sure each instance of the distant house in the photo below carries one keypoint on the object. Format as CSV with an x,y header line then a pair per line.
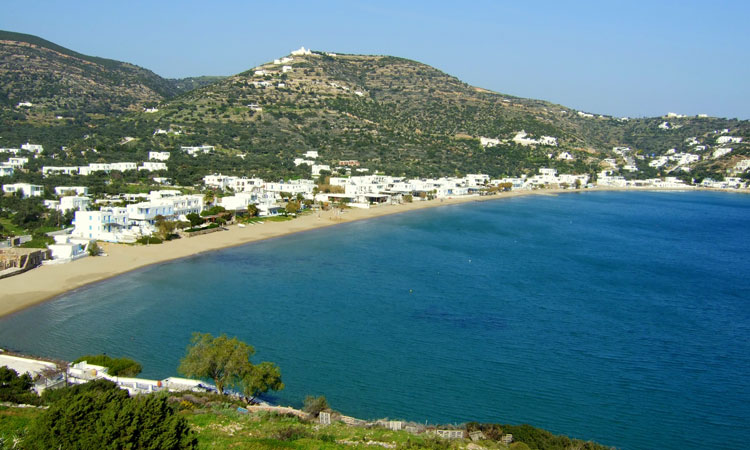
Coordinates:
x,y
152,166
195,151
350,163
67,190
26,189
158,156
34,148
301,52
286,69
260,73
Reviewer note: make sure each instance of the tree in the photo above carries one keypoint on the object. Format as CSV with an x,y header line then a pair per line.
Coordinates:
x,y
262,378
97,413
94,249
209,197
165,227
195,219
291,207
226,361
252,210
118,367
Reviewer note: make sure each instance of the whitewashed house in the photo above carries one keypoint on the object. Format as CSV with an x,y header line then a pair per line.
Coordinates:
x,y
196,150
68,248
158,156
74,203
57,170
67,190
34,148
17,162
109,224
152,166
317,168
6,171
301,52
311,154
26,189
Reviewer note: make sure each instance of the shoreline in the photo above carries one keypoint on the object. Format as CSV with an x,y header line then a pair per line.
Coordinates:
x,y
48,282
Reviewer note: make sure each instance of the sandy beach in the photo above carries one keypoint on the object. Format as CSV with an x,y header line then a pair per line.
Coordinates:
x,y
46,282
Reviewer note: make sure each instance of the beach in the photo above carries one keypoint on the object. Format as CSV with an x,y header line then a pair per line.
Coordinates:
x,y
48,281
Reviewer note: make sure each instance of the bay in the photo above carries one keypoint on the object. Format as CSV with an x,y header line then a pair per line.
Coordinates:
x,y
621,317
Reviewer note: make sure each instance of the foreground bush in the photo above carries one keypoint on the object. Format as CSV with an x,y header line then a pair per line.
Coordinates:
x,y
100,415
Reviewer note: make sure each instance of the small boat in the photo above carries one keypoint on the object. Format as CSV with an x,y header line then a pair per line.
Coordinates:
x,y
242,225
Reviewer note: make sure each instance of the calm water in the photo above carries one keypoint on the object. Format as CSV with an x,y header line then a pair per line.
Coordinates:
x,y
618,317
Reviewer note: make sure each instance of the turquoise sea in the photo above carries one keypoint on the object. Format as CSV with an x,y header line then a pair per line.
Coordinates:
x,y
618,317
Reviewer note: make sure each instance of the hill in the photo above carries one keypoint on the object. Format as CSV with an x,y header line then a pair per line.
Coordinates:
x,y
387,114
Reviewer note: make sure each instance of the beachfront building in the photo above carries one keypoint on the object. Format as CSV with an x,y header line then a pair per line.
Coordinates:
x,y
26,189
109,224
68,248
294,187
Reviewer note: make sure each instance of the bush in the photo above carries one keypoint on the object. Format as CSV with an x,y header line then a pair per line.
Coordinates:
x,y
94,249
118,367
145,240
16,388
97,413
315,405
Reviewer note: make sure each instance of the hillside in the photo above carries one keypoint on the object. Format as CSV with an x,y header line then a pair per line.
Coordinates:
x,y
390,114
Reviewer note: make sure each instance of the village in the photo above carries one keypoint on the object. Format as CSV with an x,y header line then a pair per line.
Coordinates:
x,y
128,217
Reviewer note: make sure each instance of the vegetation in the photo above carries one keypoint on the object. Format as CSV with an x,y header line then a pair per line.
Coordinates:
x,y
16,388
96,413
227,362
315,405
118,367
216,423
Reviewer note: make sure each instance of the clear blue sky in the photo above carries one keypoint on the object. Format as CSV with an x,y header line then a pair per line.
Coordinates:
x,y
625,58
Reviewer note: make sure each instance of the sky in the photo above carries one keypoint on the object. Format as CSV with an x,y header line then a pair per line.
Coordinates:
x,y
623,58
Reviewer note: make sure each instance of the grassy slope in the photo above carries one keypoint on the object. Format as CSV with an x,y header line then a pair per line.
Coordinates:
x,y
219,426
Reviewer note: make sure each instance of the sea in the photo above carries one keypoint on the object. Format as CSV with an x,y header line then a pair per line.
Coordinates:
x,y
618,317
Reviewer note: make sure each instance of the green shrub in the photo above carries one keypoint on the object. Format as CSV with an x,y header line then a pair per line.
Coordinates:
x,y
118,367
100,415
315,405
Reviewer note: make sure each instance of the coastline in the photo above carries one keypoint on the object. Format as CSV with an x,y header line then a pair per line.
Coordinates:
x,y
47,282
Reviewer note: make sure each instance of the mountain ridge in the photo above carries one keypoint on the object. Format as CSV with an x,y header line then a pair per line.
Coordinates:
x,y
389,114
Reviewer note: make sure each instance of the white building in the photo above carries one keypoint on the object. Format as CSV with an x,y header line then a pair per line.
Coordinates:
x,y
57,170
67,190
153,166
74,203
6,171
17,162
728,140
196,150
158,156
488,142
300,161
10,150
68,248
26,189
108,224
317,168
34,148
285,69
123,166
311,154
301,52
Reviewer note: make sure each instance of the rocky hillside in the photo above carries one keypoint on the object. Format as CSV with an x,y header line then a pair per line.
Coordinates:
x,y
389,114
